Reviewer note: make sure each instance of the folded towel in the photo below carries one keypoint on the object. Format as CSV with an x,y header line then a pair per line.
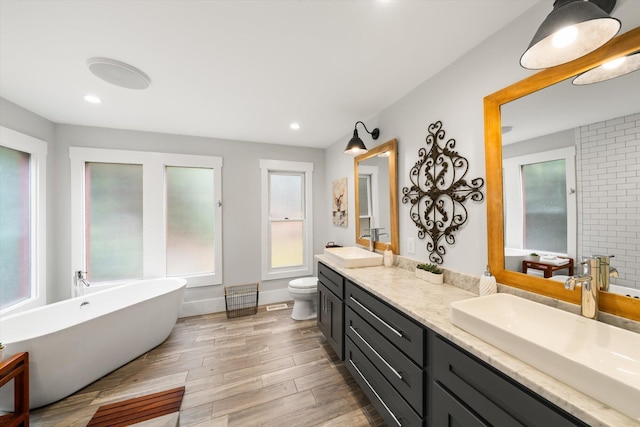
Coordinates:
x,y
557,261
548,257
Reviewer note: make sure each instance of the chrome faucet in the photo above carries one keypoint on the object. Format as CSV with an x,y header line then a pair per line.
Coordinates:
x,y
606,271
80,282
374,236
597,271
589,284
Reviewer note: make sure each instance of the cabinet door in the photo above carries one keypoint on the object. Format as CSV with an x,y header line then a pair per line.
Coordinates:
x,y
448,412
496,398
331,319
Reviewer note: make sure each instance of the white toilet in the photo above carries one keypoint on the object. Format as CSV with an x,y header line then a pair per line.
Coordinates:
x,y
304,293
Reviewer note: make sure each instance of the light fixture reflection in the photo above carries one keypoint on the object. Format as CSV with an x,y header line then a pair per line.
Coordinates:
x,y
609,70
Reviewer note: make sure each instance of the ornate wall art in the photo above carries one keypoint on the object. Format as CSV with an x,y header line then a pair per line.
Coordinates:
x,y
339,201
438,192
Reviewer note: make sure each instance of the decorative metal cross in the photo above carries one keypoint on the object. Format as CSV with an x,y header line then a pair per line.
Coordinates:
x,y
439,192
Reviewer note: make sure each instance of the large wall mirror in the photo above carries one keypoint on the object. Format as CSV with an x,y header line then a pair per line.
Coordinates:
x,y
376,195
535,121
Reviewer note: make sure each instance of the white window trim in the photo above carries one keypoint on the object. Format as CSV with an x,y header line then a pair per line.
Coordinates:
x,y
514,218
306,269
372,172
38,173
154,209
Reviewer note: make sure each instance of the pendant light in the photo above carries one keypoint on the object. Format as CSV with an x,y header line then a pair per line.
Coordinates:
x,y
573,29
355,145
609,70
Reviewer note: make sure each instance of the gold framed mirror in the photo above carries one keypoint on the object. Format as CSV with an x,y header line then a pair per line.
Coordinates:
x,y
376,195
611,303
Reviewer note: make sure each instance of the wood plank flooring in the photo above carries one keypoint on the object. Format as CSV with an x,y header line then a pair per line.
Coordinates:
x,y
260,370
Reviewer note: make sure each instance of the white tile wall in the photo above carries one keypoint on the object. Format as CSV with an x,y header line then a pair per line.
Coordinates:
x,y
608,169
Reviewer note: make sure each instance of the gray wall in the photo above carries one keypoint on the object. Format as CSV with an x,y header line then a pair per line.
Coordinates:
x,y
240,191
455,97
24,121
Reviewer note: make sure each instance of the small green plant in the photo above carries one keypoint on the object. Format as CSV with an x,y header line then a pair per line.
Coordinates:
x,y
533,254
430,267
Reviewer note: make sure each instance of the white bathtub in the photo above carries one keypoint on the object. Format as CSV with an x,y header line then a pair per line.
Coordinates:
x,y
513,258
72,343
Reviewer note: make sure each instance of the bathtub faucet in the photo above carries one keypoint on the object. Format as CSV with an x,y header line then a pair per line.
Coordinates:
x,y
79,282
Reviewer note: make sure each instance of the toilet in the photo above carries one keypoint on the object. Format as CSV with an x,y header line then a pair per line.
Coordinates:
x,y
304,293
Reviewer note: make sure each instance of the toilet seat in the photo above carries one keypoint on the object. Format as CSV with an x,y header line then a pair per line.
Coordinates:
x,y
304,292
304,283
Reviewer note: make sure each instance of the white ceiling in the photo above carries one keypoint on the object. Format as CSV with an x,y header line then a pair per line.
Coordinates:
x,y
240,70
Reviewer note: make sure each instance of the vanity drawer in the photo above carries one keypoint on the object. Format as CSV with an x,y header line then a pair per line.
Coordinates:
x,y
332,280
401,331
391,406
398,369
496,398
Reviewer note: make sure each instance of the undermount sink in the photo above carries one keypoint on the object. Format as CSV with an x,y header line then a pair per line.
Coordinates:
x,y
598,359
352,257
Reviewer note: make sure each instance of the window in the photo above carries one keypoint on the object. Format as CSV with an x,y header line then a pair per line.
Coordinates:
x,y
23,221
540,202
367,187
286,219
113,214
545,205
140,215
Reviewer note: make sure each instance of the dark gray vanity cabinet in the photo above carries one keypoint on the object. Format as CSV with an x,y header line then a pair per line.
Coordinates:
x,y
415,377
468,392
331,308
385,353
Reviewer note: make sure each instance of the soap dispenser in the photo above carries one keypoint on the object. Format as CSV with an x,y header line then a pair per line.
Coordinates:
x,y
388,257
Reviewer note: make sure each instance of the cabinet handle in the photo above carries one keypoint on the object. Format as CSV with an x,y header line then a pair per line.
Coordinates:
x,y
376,353
375,392
394,330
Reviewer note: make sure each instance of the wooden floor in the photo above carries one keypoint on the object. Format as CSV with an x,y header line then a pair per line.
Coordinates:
x,y
262,370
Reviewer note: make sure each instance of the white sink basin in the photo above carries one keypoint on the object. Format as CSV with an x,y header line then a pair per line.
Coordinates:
x,y
352,257
598,359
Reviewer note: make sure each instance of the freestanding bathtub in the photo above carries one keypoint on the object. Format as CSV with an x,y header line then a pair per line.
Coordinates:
x,y
74,342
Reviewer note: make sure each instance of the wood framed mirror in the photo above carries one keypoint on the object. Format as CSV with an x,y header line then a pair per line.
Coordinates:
x,y
376,195
620,305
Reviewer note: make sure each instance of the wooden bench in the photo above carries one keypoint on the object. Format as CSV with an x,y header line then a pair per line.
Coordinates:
x,y
16,368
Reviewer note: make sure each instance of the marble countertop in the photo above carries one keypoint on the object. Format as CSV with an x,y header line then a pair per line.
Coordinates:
x,y
429,304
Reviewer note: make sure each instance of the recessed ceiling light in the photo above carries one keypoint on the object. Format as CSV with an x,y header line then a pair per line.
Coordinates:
x,y
118,73
92,99
294,126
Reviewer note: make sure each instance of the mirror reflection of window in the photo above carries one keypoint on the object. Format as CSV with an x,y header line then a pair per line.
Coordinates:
x,y
364,191
545,206
540,203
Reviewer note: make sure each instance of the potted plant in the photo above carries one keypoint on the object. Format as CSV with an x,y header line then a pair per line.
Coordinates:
x,y
430,272
1,351
533,257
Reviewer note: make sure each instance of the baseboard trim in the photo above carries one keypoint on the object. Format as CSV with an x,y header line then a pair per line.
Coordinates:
x,y
216,305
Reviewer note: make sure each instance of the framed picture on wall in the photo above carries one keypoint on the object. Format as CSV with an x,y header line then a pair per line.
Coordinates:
x,y
339,202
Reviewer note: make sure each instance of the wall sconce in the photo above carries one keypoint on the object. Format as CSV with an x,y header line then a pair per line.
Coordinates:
x,y
355,146
573,29
609,70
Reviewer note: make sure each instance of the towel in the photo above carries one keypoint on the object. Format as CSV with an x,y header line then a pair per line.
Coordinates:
x,y
554,260
487,285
